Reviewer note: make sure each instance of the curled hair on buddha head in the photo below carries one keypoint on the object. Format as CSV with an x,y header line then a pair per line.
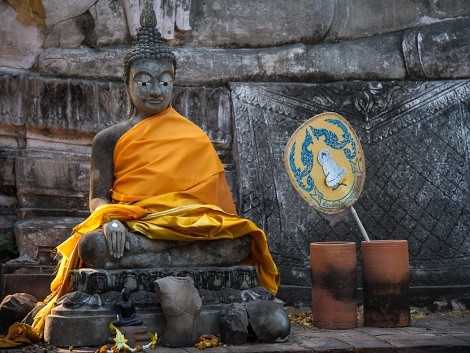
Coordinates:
x,y
149,43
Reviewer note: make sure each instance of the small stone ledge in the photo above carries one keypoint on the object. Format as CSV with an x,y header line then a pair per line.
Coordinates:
x,y
398,55
201,66
36,238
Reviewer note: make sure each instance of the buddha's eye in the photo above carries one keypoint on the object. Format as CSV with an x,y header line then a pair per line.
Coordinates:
x,y
143,80
165,83
145,83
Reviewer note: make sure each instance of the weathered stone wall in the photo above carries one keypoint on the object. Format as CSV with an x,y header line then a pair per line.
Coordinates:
x,y
249,72
416,171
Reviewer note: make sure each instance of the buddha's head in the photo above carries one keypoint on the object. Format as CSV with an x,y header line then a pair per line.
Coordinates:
x,y
125,293
149,69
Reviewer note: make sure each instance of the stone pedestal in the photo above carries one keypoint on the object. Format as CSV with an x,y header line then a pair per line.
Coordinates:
x,y
83,316
88,326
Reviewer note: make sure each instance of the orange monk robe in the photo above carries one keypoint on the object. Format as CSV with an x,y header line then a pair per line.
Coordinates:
x,y
170,185
168,153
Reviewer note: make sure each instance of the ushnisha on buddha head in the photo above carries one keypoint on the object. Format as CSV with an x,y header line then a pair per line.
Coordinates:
x,y
149,69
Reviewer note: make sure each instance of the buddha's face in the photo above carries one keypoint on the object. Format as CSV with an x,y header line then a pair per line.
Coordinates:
x,y
151,85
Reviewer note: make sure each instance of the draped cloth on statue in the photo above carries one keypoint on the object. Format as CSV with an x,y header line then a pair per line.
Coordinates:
x,y
168,153
169,185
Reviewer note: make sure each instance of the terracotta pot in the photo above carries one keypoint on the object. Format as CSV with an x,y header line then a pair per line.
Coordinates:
x,y
385,278
334,284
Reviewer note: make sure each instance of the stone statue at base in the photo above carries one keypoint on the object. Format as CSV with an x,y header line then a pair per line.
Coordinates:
x,y
181,305
126,315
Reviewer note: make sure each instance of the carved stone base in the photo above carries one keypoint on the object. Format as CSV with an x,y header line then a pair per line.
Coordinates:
x,y
96,281
83,316
90,327
216,285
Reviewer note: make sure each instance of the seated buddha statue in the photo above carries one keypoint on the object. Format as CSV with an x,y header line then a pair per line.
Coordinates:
x,y
156,152
158,192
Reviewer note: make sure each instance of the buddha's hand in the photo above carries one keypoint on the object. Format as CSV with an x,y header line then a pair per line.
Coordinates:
x,y
116,237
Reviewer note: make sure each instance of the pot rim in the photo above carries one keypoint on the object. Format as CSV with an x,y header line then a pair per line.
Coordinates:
x,y
384,242
332,243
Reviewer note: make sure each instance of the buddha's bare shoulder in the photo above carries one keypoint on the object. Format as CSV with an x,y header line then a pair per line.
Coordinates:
x,y
110,135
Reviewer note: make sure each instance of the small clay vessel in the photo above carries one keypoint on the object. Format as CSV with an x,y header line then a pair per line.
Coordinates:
x,y
385,281
334,284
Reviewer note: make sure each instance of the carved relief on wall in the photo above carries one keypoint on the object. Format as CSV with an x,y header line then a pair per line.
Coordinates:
x,y
416,143
171,15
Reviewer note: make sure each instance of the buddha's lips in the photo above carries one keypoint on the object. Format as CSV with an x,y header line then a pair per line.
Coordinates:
x,y
154,101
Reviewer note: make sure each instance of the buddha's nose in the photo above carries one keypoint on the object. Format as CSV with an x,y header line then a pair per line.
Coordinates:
x,y
156,89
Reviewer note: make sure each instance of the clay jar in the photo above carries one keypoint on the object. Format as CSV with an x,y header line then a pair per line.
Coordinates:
x,y
385,274
334,284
